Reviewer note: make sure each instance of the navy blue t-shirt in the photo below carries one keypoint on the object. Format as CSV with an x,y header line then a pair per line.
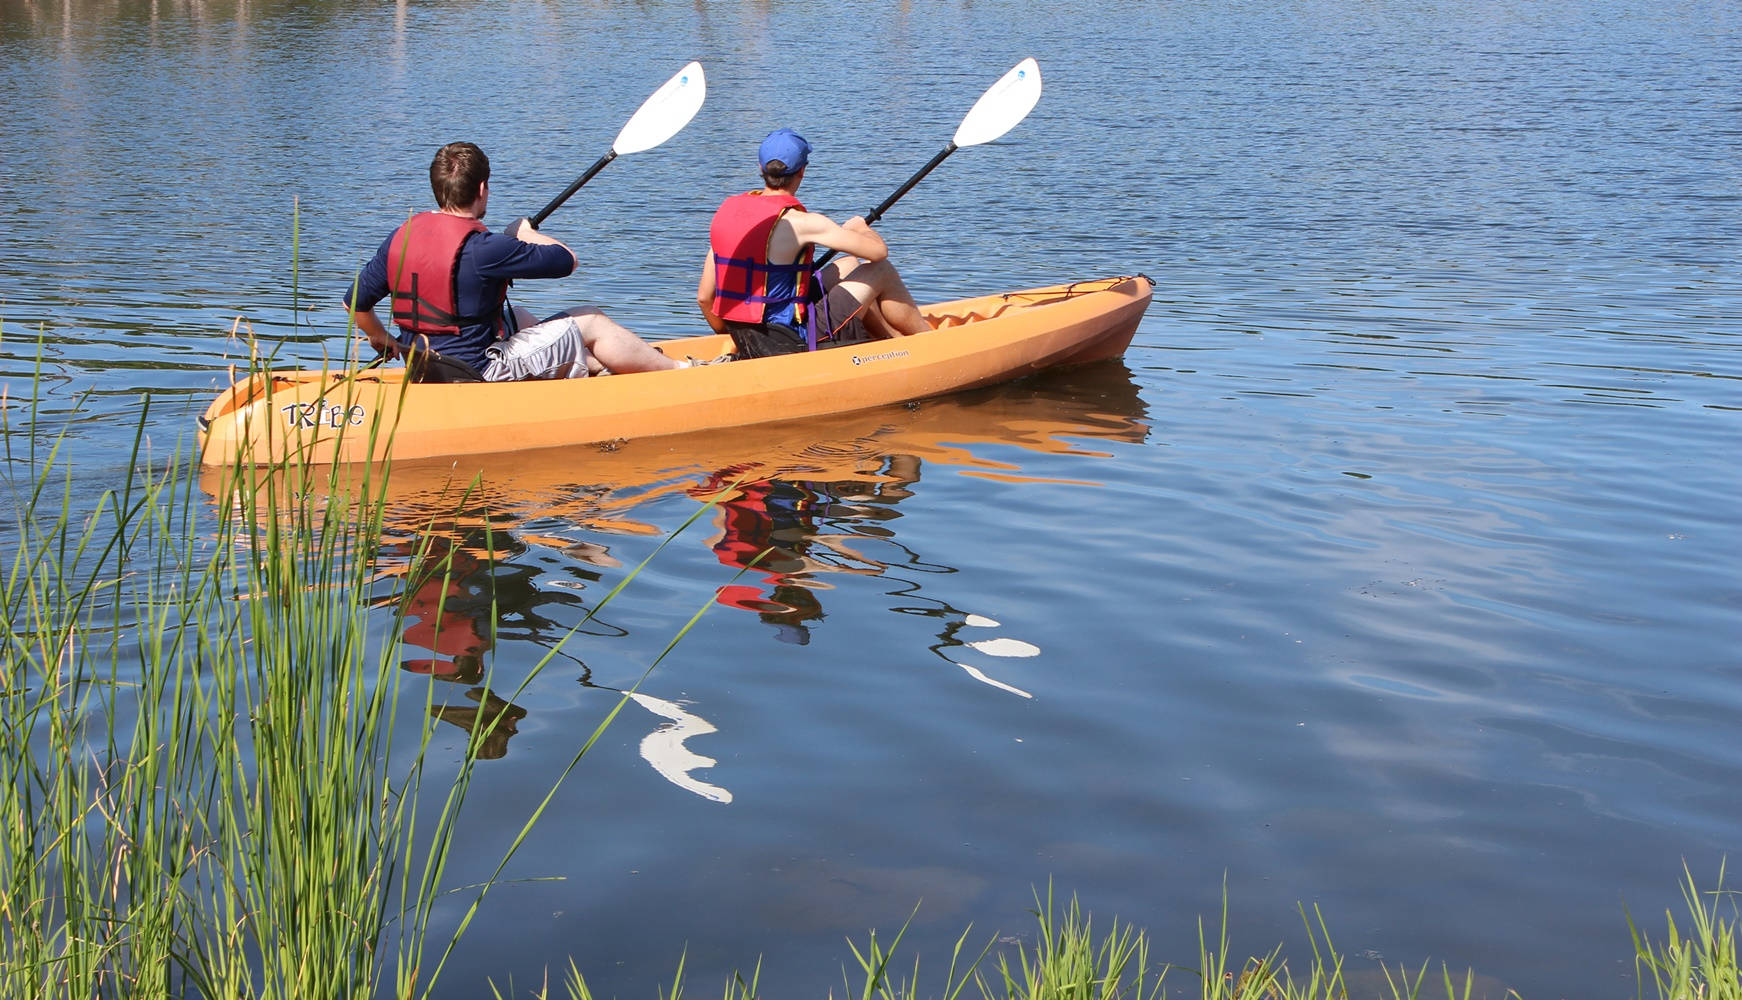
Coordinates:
x,y
487,262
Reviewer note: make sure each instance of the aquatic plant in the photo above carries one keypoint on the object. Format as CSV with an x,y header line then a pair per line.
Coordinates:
x,y
1071,960
1699,962
209,786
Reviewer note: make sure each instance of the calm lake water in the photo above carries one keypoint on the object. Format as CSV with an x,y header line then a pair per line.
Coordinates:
x,y
1394,570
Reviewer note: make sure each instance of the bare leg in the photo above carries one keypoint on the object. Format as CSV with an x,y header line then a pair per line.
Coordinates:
x,y
612,346
878,286
875,324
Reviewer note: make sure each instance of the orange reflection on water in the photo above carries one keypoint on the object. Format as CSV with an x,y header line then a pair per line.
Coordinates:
x,y
794,505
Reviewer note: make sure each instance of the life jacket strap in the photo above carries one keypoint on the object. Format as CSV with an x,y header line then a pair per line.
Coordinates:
x,y
749,267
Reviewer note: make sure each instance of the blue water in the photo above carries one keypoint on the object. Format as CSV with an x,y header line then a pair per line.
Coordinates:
x,y
1394,570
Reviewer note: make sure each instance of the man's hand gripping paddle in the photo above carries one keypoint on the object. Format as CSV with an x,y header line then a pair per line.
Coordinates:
x,y
663,115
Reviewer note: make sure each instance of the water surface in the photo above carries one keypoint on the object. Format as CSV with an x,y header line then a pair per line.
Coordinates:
x,y
1393,570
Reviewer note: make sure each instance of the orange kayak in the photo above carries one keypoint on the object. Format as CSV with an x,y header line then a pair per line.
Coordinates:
x,y
324,417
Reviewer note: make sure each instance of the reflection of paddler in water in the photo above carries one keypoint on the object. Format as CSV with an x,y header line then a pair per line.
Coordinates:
x,y
769,526
447,610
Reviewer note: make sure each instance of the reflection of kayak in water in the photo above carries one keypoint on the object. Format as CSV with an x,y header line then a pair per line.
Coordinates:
x,y
348,417
984,432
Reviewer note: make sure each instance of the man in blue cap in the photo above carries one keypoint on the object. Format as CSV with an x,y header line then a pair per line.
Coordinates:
x,y
757,281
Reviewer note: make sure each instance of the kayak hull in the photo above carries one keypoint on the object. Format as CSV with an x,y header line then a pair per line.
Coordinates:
x,y
358,416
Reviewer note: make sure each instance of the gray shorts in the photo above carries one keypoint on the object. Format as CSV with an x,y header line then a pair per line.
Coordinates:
x,y
554,348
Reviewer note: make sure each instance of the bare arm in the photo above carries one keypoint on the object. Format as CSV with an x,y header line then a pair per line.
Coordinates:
x,y
379,338
851,237
705,294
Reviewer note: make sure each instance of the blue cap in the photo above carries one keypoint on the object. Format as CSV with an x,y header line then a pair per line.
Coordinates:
x,y
786,146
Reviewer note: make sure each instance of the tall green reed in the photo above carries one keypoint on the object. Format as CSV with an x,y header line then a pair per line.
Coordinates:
x,y
1697,962
208,787
1071,960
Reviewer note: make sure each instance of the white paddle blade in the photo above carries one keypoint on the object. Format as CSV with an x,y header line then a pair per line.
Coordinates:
x,y
665,113
999,109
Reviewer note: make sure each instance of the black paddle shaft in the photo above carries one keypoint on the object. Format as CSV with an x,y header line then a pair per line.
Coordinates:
x,y
556,203
877,213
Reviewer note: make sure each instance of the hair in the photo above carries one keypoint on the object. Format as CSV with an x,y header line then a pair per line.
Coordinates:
x,y
774,175
456,172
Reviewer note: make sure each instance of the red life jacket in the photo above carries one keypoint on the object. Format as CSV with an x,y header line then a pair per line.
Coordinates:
x,y
740,232
423,267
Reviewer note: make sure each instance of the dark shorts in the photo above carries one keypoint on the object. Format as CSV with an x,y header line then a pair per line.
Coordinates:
x,y
760,340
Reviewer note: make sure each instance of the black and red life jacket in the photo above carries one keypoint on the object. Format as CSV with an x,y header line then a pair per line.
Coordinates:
x,y
423,267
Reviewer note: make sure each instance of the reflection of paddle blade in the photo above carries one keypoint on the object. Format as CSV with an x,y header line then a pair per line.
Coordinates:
x,y
664,747
1005,647
983,679
997,646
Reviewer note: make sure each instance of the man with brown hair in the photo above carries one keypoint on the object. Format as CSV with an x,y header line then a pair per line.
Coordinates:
x,y
447,276
757,281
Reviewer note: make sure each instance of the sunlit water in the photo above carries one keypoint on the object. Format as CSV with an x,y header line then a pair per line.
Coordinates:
x,y
1394,570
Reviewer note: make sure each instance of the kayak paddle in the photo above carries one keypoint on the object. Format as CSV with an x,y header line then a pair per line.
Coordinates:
x,y
996,112
663,115
660,117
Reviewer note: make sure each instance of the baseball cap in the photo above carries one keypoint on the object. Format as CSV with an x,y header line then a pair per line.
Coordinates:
x,y
786,146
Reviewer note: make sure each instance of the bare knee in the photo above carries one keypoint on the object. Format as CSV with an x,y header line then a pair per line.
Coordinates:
x,y
877,274
592,322
584,313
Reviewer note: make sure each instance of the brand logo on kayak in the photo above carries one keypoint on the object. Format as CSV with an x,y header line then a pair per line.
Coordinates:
x,y
865,359
320,413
